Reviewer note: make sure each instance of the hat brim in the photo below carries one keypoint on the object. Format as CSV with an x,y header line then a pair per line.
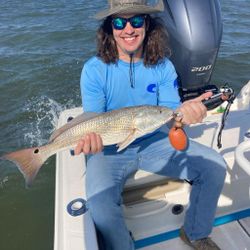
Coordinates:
x,y
129,10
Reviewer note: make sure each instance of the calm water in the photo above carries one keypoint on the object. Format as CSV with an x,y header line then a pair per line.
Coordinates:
x,y
43,45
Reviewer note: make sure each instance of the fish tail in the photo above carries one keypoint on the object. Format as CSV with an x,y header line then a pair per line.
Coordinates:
x,y
28,161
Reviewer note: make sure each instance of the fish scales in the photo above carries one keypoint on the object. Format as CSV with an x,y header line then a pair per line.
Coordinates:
x,y
107,126
112,128
119,127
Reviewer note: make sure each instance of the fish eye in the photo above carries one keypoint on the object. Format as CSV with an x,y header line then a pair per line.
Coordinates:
x,y
36,151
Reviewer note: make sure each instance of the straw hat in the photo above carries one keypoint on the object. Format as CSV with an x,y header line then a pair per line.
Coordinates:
x,y
131,7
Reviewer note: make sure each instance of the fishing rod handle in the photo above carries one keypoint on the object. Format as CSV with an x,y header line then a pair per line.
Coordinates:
x,y
216,99
213,102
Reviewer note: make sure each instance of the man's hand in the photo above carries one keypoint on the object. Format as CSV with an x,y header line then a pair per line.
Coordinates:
x,y
193,111
89,144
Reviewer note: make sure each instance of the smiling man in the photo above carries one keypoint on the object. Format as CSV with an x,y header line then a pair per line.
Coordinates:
x,y
132,68
128,39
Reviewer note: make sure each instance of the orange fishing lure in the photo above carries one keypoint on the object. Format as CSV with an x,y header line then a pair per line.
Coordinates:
x,y
178,138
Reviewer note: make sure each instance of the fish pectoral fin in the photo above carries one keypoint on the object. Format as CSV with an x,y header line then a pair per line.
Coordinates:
x,y
131,137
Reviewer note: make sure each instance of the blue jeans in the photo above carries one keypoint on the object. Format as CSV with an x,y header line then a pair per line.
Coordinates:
x,y
108,171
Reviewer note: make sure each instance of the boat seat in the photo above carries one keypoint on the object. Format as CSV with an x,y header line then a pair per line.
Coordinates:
x,y
143,178
144,186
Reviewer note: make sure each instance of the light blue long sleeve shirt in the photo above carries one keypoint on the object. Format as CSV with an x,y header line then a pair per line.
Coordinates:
x,y
106,87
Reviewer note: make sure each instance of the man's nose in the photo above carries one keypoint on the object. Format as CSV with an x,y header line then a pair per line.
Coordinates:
x,y
129,28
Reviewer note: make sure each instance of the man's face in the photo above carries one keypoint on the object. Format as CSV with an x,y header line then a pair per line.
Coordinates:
x,y
129,40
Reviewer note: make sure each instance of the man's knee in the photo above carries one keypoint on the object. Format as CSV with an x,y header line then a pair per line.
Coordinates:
x,y
216,172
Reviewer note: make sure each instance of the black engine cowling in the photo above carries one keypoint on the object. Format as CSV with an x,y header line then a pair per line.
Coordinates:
x,y
195,31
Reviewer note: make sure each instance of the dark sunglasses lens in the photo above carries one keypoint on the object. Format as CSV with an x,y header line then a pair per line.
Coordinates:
x,y
119,23
137,21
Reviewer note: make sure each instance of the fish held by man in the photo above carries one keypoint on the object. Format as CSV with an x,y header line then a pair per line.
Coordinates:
x,y
119,127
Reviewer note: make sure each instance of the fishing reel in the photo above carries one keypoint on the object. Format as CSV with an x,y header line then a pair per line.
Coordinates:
x,y
225,93
177,135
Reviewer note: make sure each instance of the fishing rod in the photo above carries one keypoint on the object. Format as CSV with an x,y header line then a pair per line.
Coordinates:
x,y
177,135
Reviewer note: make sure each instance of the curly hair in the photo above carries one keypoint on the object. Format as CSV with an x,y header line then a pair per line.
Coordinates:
x,y
155,46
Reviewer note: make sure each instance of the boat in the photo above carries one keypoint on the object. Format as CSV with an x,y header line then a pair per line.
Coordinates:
x,y
154,205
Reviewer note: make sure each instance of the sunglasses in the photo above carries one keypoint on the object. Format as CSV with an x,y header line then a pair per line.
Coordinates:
x,y
119,23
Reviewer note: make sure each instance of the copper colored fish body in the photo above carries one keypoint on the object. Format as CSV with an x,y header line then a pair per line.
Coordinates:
x,y
119,127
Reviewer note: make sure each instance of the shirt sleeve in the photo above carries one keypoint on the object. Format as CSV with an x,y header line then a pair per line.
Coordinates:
x,y
93,97
168,87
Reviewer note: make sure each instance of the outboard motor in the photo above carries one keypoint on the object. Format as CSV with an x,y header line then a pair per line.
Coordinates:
x,y
195,31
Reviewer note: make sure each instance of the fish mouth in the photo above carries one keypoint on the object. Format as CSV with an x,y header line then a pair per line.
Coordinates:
x,y
177,114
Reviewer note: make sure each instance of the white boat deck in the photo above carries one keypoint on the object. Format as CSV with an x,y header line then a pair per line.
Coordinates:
x,y
73,235
152,223
231,236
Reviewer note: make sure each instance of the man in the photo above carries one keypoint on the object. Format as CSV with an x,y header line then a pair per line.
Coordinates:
x,y
131,68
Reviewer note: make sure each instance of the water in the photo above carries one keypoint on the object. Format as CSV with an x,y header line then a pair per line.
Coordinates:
x,y
43,45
